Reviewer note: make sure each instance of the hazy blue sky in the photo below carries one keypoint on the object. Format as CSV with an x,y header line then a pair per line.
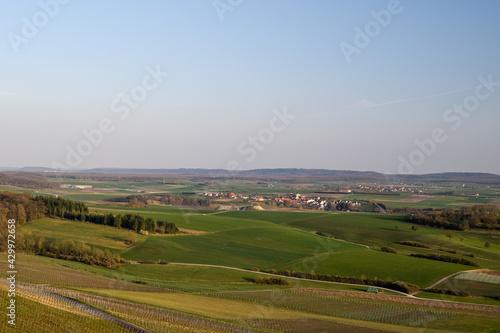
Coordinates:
x,y
232,68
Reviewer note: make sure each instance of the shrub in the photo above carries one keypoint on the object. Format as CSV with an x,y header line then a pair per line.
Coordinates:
x,y
388,249
414,244
140,282
273,281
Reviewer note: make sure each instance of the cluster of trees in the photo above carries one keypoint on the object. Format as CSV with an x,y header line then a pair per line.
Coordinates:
x,y
164,199
56,206
132,222
78,211
69,250
441,257
64,249
21,207
25,180
394,285
468,217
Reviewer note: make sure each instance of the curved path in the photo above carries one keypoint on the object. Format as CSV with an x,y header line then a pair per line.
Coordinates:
x,y
348,284
288,277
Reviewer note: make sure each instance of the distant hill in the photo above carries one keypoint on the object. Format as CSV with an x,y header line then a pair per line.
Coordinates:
x,y
349,175
25,180
292,173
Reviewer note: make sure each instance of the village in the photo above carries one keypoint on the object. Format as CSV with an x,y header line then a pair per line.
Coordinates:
x,y
291,200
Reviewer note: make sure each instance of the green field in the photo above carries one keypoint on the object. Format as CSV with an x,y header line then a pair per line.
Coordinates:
x,y
91,234
214,264
286,240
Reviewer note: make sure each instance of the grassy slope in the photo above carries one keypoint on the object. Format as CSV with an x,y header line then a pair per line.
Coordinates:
x,y
248,239
90,234
266,247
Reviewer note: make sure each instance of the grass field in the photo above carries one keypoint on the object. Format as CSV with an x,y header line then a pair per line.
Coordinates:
x,y
248,239
91,234
190,290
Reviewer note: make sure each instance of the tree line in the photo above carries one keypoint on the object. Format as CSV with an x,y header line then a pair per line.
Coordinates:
x,y
441,257
394,285
24,208
78,211
164,199
132,222
25,180
464,219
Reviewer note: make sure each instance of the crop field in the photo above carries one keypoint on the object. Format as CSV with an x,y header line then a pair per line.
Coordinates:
x,y
215,265
477,284
479,277
39,313
353,308
366,309
252,240
253,314
384,230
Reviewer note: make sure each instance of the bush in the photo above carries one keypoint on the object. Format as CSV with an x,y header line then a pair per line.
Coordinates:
x,y
273,281
131,238
388,249
140,282
80,252
414,244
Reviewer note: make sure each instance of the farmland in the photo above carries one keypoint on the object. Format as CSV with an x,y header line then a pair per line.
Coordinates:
x,y
205,277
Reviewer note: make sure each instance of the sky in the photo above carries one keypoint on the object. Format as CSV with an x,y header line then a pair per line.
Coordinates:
x,y
388,86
